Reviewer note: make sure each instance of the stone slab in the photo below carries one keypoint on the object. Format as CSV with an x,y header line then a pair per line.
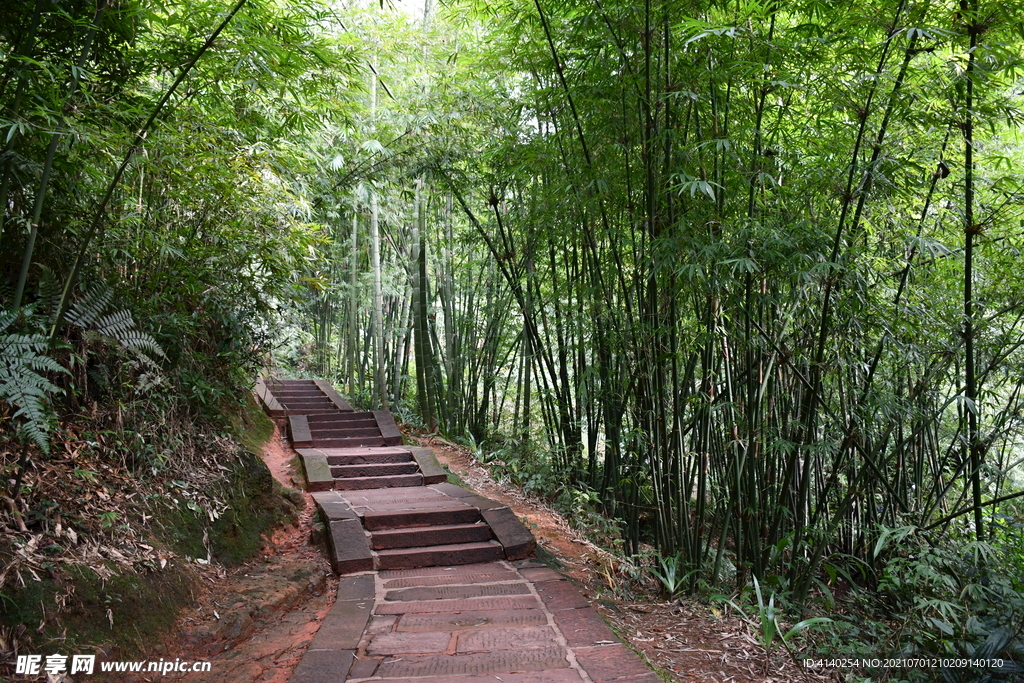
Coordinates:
x,y
409,643
480,619
350,549
335,397
540,574
318,472
538,659
431,469
298,431
318,666
583,627
374,469
409,582
430,556
430,535
559,595
388,428
343,626
396,481
515,538
456,592
411,518
609,663
465,605
359,588
468,572
492,639
368,459
333,507
270,404
381,623
451,490
366,450
363,668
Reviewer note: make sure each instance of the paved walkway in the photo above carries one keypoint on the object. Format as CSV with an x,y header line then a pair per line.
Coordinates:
x,y
451,600
514,622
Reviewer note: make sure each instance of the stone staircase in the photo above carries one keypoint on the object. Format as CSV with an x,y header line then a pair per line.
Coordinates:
x,y
385,505
282,398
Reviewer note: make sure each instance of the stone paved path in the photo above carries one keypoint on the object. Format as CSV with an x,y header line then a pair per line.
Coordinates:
x,y
514,622
451,600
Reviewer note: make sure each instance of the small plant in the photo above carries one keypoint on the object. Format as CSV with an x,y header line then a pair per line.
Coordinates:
x,y
767,624
671,574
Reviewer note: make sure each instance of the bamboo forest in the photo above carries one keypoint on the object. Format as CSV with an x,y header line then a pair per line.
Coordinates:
x,y
731,287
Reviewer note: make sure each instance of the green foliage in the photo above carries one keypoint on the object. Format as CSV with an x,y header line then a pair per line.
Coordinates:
x,y
672,574
24,362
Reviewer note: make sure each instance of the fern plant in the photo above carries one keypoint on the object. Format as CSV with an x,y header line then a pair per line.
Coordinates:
x,y
27,357
24,362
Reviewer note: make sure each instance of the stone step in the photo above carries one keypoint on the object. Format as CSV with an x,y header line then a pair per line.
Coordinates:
x,y
342,433
438,555
393,481
375,469
348,443
337,421
423,536
427,515
350,416
369,459
302,400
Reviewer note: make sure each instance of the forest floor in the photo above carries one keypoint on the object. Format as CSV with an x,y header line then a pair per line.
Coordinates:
x,y
253,634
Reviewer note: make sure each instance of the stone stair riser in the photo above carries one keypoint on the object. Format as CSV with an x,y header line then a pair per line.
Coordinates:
x,y
428,536
375,470
419,518
368,459
444,555
360,483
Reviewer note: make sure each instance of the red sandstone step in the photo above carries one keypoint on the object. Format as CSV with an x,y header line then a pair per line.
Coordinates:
x,y
346,417
375,469
430,535
347,443
358,483
369,459
307,402
340,421
439,555
399,519
343,433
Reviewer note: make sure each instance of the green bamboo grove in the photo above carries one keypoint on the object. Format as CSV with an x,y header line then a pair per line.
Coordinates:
x,y
746,271
743,275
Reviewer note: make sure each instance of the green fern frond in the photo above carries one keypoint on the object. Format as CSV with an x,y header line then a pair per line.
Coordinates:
x,y
115,324
85,312
50,290
23,359
139,342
